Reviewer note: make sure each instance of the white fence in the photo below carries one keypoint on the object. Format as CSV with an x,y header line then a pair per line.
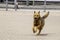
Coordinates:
x,y
39,0
27,3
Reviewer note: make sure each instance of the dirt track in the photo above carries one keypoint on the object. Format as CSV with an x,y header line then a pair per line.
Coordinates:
x,y
17,25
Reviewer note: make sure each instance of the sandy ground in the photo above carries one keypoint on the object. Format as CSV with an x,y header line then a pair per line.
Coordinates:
x,y
17,25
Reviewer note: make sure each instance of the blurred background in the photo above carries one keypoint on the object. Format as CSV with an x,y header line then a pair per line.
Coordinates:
x,y
30,4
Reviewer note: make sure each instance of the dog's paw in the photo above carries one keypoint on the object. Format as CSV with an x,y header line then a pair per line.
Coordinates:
x,y
37,32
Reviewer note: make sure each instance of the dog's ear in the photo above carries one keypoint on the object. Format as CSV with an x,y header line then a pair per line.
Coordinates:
x,y
38,11
34,11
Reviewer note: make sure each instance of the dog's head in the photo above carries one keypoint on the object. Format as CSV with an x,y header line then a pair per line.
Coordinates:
x,y
37,15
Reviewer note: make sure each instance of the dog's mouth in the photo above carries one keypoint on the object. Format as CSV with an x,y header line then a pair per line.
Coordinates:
x,y
36,18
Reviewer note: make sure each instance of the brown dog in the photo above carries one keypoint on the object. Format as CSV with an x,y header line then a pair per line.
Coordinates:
x,y
39,22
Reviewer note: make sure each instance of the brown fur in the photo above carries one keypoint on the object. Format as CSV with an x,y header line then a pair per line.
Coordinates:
x,y
39,22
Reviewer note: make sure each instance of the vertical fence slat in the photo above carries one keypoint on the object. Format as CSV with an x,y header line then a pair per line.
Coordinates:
x,y
6,5
33,2
15,1
27,2
44,5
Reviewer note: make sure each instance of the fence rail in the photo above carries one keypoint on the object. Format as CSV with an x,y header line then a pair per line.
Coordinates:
x,y
30,4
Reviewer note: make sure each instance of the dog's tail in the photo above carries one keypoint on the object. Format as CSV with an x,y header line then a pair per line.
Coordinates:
x,y
46,15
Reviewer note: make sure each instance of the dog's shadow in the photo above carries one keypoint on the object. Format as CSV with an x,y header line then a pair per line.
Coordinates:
x,y
35,35
42,35
46,34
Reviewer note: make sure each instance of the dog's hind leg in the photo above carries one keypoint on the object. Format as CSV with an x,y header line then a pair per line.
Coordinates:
x,y
40,29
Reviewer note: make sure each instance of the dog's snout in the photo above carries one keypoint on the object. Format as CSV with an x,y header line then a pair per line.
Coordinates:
x,y
35,18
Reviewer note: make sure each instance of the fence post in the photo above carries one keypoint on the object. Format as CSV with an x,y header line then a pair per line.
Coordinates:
x,y
33,2
16,4
44,5
6,5
27,2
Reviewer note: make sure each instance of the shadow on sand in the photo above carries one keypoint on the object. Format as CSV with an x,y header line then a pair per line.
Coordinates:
x,y
47,34
43,35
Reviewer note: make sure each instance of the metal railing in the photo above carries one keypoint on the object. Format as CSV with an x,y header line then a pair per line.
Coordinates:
x,y
27,4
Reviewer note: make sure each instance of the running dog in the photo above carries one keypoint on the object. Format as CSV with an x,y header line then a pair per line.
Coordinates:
x,y
39,22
